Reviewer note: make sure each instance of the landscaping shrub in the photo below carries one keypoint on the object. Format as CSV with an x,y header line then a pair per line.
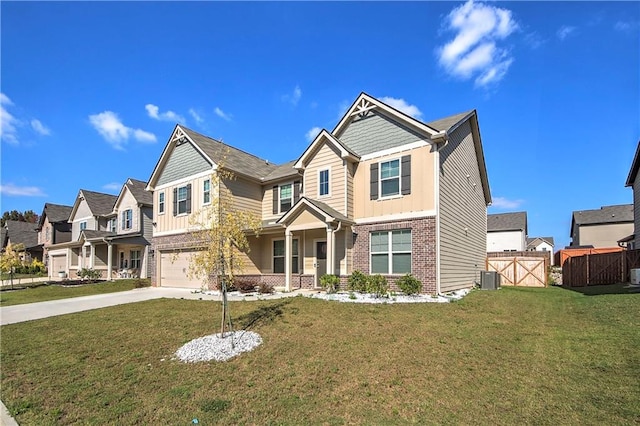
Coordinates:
x,y
89,274
330,283
357,281
140,283
377,285
265,288
409,284
245,285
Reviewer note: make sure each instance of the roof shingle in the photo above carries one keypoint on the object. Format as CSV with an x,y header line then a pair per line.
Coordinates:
x,y
605,214
515,221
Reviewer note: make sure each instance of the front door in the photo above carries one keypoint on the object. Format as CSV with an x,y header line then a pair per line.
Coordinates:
x,y
321,260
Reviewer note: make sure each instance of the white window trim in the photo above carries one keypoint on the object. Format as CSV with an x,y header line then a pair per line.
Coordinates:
x,y
185,200
139,259
124,220
291,184
273,256
399,194
84,222
164,203
328,170
390,251
205,192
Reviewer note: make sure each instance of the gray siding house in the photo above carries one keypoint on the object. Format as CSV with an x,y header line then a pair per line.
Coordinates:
x,y
603,227
633,240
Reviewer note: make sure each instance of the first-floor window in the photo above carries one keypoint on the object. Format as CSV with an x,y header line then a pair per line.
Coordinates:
x,y
134,257
391,252
123,261
279,253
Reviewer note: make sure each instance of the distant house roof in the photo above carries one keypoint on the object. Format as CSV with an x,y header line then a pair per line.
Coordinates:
x,y
533,242
516,221
605,214
22,233
3,237
635,165
55,213
100,204
137,189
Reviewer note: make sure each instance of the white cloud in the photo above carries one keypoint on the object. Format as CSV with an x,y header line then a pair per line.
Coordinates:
x,y
40,128
21,191
503,203
154,112
626,27
4,100
113,186
474,52
220,113
565,31
197,117
108,124
293,97
312,133
403,106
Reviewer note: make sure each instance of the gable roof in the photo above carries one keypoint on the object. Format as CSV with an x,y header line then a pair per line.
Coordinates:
x,y
606,214
635,165
516,221
55,212
537,240
137,188
282,171
99,203
319,207
325,137
22,233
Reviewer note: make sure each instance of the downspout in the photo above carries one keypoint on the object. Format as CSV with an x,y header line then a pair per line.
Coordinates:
x,y
439,139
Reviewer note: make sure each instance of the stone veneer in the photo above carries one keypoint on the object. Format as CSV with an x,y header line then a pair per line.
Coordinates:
x,y
423,250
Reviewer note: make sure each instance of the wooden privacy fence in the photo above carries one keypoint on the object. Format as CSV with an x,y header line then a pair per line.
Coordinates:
x,y
561,256
599,269
520,271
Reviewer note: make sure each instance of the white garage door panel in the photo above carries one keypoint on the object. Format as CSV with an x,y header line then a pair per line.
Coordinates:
x,y
58,263
174,271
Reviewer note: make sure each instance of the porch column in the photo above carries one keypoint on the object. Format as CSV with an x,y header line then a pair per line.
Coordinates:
x,y
109,262
92,256
288,238
330,269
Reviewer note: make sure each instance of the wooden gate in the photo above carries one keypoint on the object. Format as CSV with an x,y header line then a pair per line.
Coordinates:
x,y
520,271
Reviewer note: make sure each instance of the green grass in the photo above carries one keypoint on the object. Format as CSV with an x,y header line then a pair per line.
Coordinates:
x,y
514,356
42,293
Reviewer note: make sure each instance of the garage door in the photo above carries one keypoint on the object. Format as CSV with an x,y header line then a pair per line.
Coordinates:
x,y
58,263
174,270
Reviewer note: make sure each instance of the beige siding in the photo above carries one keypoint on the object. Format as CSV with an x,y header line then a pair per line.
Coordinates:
x,y
42,234
83,213
325,158
267,198
422,187
127,201
636,211
247,196
463,213
167,222
600,236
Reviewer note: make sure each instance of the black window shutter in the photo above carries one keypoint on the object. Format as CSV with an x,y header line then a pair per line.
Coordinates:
x,y
406,175
275,199
374,181
296,191
175,201
189,198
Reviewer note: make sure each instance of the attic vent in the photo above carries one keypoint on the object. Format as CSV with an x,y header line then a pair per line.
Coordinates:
x,y
181,141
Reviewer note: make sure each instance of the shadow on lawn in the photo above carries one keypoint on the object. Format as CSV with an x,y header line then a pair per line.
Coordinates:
x,y
262,315
599,290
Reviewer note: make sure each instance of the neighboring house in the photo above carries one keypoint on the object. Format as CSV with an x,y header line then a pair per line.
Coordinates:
x,y
25,234
53,227
507,232
381,193
541,244
633,239
602,227
108,233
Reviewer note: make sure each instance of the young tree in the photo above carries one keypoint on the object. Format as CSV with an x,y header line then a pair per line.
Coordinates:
x,y
221,230
10,259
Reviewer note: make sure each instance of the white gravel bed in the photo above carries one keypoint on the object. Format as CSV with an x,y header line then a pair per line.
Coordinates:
x,y
354,297
215,348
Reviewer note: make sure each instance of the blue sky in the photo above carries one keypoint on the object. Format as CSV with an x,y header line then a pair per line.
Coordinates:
x,y
90,92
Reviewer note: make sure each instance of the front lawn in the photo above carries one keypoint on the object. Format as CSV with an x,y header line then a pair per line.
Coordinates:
x,y
513,356
57,290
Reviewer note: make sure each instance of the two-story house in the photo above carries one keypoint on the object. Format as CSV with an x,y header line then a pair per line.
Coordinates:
x,y
632,240
507,232
54,228
603,227
24,235
382,193
542,244
109,233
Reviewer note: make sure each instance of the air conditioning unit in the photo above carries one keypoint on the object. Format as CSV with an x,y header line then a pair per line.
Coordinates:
x,y
489,280
634,277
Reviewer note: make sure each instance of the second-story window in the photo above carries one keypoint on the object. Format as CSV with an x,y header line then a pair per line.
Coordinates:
x,y
111,225
323,182
286,197
390,178
47,235
206,191
127,219
83,225
161,203
181,200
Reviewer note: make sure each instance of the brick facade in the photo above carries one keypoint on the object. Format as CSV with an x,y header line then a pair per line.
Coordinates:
x,y
168,242
423,250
